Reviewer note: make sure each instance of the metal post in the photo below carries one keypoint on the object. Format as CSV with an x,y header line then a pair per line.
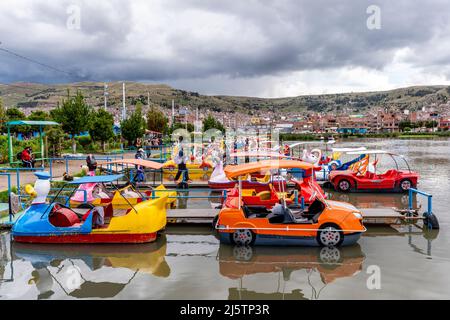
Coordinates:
x,y
240,192
18,183
42,145
50,163
430,203
9,199
410,199
10,148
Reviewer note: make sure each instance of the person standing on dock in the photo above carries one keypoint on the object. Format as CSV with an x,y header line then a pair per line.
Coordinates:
x,y
181,161
91,163
246,150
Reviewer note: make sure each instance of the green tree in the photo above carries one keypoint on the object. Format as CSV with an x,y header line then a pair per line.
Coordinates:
x,y
38,115
101,127
179,125
431,124
55,137
211,123
3,117
156,120
14,114
133,127
74,116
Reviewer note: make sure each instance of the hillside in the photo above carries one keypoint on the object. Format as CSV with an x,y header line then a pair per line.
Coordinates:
x,y
30,95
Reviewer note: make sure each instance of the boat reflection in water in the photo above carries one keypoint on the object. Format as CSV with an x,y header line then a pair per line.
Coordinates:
x,y
59,266
330,263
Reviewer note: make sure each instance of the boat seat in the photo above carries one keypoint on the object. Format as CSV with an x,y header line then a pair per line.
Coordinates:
x,y
63,217
289,217
314,211
255,211
275,217
369,175
264,195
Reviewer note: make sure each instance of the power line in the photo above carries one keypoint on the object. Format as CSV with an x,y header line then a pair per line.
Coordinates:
x,y
38,62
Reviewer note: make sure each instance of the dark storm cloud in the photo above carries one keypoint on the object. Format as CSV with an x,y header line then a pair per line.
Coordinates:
x,y
172,40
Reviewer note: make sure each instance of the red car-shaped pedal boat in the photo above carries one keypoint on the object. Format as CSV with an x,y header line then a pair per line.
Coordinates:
x,y
365,177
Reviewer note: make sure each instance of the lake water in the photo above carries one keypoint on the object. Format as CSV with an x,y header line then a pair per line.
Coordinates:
x,y
189,262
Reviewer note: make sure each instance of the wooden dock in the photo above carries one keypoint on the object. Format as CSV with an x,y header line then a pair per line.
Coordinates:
x,y
386,216
372,216
194,216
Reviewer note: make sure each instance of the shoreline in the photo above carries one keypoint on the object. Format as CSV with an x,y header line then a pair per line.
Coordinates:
x,y
314,137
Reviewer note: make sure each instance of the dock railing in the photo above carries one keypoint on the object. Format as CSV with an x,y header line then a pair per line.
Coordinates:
x,y
69,158
413,191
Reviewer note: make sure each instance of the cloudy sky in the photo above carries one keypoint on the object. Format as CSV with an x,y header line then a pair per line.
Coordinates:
x,y
249,47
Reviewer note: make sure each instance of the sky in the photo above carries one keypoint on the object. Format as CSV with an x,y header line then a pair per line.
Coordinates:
x,y
250,47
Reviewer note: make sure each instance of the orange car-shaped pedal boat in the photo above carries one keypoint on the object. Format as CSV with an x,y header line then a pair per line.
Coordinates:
x,y
322,223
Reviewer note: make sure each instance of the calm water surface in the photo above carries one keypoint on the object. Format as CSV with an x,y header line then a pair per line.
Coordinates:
x,y
189,262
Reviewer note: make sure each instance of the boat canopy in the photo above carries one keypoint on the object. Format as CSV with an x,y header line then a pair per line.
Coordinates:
x,y
296,144
137,162
243,169
349,149
371,152
96,179
256,154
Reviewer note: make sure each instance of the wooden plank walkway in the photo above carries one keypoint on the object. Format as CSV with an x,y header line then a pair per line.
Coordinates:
x,y
191,215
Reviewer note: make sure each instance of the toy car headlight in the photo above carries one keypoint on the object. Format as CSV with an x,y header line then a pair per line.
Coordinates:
x,y
358,215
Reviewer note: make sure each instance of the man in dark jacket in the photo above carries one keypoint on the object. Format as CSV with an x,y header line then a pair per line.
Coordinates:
x,y
181,161
91,162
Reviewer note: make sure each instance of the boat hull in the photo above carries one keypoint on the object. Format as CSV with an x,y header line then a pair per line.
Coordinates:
x,y
89,238
281,240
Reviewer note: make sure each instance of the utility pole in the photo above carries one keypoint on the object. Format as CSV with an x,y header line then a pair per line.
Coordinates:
x,y
105,94
124,108
173,112
185,116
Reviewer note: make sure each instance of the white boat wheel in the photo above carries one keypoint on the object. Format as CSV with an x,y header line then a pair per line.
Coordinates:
x,y
243,237
330,237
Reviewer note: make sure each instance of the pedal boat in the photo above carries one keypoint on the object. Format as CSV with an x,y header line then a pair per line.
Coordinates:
x,y
98,194
258,181
367,178
54,222
322,223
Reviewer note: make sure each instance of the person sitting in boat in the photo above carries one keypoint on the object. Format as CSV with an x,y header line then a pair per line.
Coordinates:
x,y
334,165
